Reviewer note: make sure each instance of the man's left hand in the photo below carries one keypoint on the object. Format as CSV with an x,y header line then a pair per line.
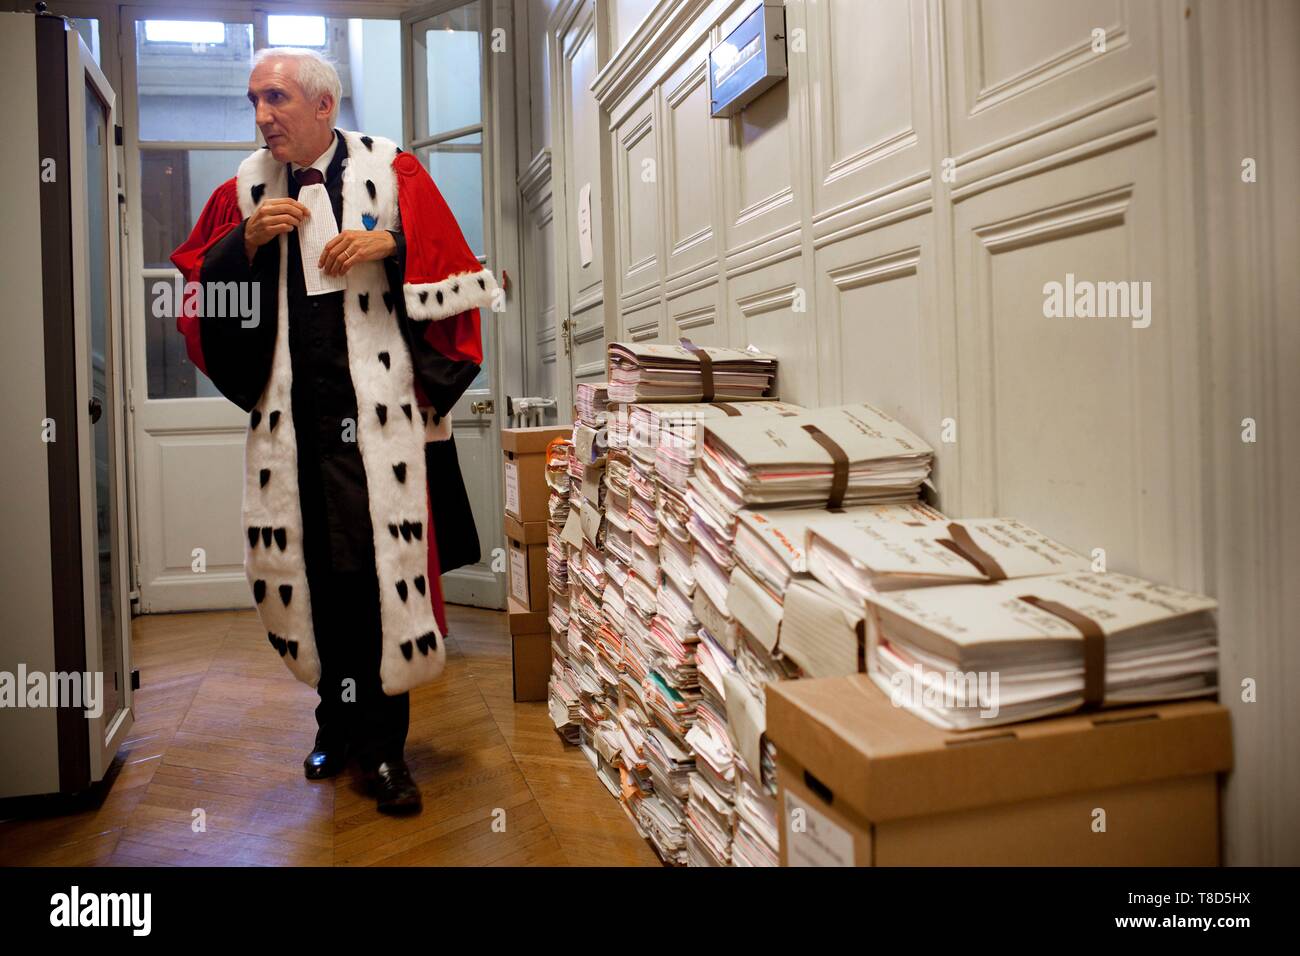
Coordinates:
x,y
355,245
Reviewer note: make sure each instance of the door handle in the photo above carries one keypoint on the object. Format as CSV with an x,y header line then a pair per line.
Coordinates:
x,y
484,407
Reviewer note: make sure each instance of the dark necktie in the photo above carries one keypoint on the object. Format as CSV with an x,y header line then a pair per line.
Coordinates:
x,y
309,176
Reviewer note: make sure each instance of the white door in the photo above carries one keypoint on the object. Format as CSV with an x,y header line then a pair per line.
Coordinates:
x,y
448,45
188,123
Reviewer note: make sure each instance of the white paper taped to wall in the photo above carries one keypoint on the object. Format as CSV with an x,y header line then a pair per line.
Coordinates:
x,y
313,235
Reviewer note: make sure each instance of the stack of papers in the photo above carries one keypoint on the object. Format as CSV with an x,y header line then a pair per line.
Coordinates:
x,y
823,632
562,697
769,553
651,372
862,559
969,656
778,461
756,841
592,402
665,828
557,556
822,626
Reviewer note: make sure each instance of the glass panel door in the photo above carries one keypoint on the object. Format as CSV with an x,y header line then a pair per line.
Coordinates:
x,y
187,126
100,217
450,80
97,294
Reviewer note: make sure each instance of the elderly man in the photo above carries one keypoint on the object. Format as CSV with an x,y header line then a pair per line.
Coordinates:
x,y
353,499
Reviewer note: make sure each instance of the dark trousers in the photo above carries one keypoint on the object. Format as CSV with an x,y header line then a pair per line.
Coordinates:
x,y
353,705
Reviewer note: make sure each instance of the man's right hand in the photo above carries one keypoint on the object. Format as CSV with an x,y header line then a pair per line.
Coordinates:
x,y
273,217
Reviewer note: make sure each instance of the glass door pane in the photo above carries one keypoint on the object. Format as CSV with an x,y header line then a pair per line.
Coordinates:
x,y
368,57
453,69
100,215
457,168
192,80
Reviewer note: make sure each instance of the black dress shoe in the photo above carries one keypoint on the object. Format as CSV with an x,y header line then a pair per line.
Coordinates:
x,y
328,757
393,788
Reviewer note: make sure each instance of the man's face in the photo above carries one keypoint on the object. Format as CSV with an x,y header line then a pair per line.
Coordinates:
x,y
292,124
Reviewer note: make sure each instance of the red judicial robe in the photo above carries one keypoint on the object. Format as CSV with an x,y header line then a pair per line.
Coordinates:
x,y
413,345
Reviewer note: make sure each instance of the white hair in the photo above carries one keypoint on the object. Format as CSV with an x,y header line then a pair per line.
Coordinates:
x,y
316,75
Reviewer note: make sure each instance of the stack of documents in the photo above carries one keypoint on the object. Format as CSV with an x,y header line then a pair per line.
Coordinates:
x,y
769,553
562,697
592,402
823,627
756,841
651,372
861,559
670,431
710,809
968,656
789,460
664,827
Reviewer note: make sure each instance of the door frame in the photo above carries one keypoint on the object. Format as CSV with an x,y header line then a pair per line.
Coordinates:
x,y
482,585
225,588
107,730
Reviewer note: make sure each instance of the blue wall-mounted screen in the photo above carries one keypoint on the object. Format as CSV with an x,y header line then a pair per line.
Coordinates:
x,y
741,64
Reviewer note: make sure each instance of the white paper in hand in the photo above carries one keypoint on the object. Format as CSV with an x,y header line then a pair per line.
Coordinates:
x,y
313,235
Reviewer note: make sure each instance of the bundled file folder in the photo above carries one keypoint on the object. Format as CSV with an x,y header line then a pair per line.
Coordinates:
x,y
968,656
850,454
653,372
862,558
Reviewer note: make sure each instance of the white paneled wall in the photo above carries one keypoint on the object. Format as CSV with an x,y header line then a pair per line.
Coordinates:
x,y
886,221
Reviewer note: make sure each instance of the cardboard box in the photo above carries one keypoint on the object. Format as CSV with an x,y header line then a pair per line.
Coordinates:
x,y
523,453
878,786
526,532
528,582
530,652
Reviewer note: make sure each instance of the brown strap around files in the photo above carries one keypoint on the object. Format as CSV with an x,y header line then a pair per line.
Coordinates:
x,y
964,546
1094,647
731,410
706,367
840,462
860,630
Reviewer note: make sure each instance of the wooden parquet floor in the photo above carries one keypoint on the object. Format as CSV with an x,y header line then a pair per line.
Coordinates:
x,y
221,725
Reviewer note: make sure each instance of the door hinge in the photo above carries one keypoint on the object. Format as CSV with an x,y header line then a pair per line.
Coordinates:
x,y
117,135
135,678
